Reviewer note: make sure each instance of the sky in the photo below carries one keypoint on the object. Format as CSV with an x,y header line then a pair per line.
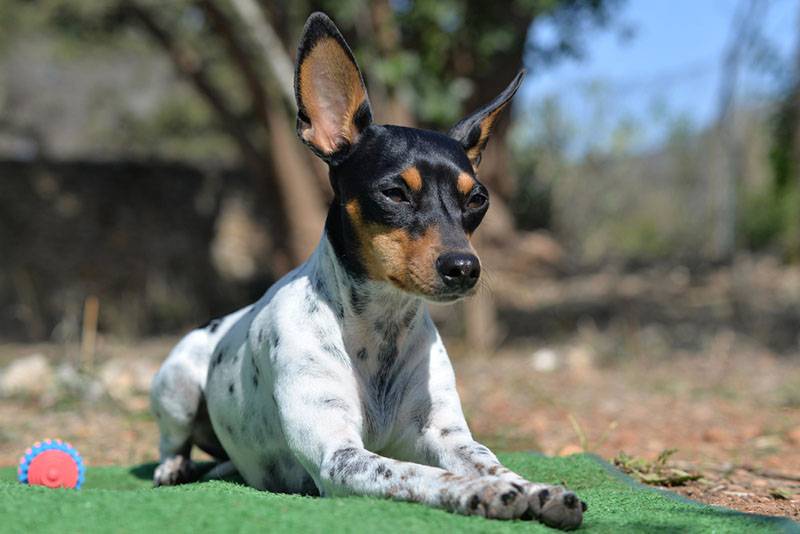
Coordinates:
x,y
671,62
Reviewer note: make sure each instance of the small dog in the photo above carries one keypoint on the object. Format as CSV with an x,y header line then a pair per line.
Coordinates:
x,y
336,381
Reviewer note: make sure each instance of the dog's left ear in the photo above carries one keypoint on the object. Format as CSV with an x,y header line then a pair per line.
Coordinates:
x,y
473,131
332,104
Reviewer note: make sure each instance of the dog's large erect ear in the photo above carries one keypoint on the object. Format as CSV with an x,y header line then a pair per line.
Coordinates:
x,y
332,103
473,131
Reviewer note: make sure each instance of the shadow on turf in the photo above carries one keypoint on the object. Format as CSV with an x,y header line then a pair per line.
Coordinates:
x,y
779,524
145,472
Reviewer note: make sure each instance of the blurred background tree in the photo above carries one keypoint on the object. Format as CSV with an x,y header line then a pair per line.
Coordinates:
x,y
195,96
426,63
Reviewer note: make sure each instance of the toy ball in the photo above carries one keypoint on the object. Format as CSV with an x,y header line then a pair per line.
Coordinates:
x,y
51,463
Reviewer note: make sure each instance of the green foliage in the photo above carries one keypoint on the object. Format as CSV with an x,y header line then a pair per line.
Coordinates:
x,y
448,51
540,141
770,219
642,237
773,217
443,53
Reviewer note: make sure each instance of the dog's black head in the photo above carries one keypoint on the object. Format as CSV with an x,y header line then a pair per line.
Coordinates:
x,y
406,201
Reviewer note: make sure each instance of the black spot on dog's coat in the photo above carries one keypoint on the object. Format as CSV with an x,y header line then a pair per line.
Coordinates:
x,y
474,501
544,496
508,497
333,402
357,301
334,351
421,420
450,430
211,325
388,349
362,354
312,305
231,388
347,462
324,295
410,316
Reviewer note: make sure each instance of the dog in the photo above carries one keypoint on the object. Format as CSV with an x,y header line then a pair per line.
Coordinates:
x,y
336,382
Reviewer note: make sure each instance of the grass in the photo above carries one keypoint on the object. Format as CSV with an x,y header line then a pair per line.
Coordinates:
x,y
117,499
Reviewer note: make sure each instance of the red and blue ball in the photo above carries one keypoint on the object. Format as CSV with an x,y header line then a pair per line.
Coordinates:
x,y
51,463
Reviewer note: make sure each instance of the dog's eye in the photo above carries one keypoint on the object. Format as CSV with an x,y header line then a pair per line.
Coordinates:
x,y
477,201
395,194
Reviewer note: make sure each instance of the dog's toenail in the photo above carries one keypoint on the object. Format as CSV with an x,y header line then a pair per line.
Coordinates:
x,y
544,495
570,500
508,497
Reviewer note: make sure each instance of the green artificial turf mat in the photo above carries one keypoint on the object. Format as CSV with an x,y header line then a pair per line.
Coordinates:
x,y
117,499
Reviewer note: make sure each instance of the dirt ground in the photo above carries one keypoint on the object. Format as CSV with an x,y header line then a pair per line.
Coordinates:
x,y
732,411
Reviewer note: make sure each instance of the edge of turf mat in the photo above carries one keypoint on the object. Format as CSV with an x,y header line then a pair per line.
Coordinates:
x,y
780,524
118,499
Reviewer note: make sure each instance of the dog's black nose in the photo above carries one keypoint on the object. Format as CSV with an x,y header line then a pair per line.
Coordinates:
x,y
459,270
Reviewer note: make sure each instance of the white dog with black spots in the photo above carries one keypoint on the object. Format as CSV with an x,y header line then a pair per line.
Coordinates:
x,y
336,382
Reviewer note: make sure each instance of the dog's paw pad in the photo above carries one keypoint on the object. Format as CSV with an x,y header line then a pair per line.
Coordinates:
x,y
493,498
570,500
556,507
544,496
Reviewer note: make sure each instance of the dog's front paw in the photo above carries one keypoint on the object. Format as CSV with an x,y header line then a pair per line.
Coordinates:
x,y
554,506
492,498
174,470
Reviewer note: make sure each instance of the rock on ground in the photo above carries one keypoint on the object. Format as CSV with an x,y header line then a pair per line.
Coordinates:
x,y
31,376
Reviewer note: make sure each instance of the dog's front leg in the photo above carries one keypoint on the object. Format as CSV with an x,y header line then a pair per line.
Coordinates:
x,y
349,469
459,453
442,438
322,419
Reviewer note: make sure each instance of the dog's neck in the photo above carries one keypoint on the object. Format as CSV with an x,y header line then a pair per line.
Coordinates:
x,y
367,309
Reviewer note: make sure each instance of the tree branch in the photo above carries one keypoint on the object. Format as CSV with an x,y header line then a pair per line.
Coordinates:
x,y
276,56
294,174
188,65
225,29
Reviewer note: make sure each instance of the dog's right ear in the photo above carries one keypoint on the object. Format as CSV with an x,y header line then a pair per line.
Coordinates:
x,y
332,103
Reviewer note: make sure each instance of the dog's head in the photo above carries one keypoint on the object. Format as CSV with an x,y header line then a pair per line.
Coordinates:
x,y
406,201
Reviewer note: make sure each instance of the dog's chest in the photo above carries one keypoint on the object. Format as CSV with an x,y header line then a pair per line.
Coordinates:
x,y
385,351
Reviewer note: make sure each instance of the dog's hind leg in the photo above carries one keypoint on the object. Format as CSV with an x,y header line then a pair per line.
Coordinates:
x,y
220,471
177,400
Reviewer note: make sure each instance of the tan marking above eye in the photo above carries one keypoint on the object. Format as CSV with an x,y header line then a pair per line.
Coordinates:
x,y
465,183
412,178
331,92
